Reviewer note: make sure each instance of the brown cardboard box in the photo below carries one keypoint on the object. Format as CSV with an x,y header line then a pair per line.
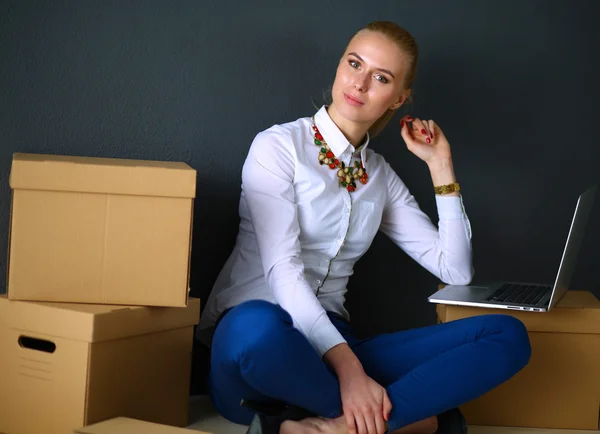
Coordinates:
x,y
100,230
63,366
560,387
123,425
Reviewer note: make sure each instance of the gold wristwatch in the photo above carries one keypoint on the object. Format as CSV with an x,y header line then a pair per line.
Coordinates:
x,y
448,188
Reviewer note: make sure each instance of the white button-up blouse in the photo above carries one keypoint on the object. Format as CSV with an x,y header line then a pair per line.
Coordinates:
x,y
301,233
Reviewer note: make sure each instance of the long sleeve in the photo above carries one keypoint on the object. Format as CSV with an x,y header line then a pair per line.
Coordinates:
x,y
445,251
267,188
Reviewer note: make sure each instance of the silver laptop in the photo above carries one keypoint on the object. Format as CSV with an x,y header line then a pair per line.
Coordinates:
x,y
527,296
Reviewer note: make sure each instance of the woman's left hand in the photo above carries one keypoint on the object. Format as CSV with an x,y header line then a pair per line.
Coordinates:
x,y
425,139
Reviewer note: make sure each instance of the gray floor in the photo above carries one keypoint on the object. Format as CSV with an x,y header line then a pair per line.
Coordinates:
x,y
204,417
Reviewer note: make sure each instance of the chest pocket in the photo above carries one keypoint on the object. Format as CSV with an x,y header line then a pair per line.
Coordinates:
x,y
365,219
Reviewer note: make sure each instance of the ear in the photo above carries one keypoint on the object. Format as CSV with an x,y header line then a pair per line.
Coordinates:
x,y
403,97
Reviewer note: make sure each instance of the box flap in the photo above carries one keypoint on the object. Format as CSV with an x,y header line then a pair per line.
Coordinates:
x,y
123,425
102,175
577,312
92,322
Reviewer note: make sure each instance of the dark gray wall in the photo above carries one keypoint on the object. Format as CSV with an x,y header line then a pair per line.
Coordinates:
x,y
514,84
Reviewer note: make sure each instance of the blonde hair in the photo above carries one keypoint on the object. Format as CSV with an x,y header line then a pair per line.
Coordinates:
x,y
408,45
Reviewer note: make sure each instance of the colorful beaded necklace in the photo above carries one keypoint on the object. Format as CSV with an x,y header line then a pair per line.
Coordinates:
x,y
347,176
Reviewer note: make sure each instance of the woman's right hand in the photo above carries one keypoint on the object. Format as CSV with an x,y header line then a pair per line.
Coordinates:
x,y
366,405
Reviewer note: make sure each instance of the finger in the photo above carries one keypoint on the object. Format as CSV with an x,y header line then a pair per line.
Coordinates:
x,y
371,421
431,128
350,422
427,127
421,129
406,118
360,424
379,423
436,131
407,134
405,122
425,131
387,406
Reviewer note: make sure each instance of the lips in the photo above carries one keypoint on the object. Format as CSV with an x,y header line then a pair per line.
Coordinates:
x,y
352,100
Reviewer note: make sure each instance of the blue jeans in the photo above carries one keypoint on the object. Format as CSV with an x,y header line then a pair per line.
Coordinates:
x,y
257,354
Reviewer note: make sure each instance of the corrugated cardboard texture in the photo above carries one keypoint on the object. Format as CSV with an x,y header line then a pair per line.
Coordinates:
x,y
122,425
98,232
92,322
41,392
560,387
142,371
127,378
102,175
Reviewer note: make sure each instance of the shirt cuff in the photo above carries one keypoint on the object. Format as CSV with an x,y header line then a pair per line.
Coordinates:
x,y
324,335
450,207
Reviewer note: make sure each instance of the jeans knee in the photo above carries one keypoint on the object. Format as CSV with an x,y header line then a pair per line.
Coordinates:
x,y
251,326
516,342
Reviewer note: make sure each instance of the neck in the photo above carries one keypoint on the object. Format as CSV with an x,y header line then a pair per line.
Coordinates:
x,y
353,131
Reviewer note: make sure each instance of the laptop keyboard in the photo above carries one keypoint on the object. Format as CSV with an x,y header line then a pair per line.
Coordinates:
x,y
518,293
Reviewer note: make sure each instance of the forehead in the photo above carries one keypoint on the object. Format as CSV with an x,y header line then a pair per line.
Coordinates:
x,y
378,50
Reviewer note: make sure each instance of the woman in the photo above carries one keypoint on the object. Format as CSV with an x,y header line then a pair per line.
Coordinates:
x,y
313,197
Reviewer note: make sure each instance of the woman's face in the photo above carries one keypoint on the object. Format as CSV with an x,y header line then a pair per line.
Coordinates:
x,y
369,78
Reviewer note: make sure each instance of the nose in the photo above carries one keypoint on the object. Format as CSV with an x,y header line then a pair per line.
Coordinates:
x,y
361,82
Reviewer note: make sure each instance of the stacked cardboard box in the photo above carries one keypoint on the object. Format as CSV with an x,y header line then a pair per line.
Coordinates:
x,y
560,387
97,323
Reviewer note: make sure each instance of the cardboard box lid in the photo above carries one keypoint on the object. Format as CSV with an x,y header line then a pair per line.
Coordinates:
x,y
577,312
92,322
102,175
124,425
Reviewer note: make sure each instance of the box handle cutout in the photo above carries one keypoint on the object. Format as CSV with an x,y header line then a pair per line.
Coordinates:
x,y
37,344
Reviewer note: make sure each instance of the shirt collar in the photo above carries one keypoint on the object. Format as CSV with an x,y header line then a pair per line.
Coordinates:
x,y
338,143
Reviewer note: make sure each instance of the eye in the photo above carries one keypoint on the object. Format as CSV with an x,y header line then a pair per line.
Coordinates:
x,y
381,79
354,64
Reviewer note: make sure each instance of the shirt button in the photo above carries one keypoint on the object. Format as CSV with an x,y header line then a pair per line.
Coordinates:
x,y
318,282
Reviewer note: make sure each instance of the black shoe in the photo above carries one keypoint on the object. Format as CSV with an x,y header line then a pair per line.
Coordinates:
x,y
270,415
452,422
